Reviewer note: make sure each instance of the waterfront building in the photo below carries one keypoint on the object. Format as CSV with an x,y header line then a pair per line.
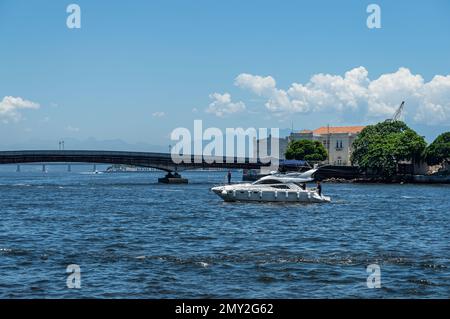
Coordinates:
x,y
337,140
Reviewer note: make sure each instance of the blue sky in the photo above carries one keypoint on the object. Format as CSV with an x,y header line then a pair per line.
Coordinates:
x,y
136,70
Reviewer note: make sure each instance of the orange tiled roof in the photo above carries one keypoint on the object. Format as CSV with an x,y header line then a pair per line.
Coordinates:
x,y
338,129
306,131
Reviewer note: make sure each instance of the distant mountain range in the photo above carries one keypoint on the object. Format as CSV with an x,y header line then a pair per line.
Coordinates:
x,y
121,145
86,144
92,143
95,144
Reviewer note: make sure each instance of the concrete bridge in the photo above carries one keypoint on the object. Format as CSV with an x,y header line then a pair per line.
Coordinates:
x,y
162,161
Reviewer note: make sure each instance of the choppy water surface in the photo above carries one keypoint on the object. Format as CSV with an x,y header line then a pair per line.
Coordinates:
x,y
134,238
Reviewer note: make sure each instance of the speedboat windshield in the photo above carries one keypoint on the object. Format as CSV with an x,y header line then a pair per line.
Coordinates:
x,y
280,178
267,181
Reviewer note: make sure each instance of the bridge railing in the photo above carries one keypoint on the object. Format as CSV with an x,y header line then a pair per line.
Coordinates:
x,y
144,159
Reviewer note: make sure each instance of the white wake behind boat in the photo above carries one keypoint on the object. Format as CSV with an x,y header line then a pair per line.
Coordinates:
x,y
276,187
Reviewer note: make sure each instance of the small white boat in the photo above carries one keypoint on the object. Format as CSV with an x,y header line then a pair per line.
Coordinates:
x,y
276,187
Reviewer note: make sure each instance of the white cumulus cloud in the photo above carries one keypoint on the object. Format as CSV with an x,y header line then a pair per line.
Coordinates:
x,y
386,92
222,105
10,108
435,106
427,102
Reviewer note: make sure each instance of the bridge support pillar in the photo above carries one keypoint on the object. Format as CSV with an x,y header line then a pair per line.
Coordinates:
x,y
44,169
173,178
69,168
18,169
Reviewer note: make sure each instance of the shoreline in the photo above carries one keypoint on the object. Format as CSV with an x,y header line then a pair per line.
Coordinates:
x,y
408,180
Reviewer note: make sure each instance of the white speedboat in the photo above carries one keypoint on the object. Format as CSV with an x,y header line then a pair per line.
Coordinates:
x,y
276,187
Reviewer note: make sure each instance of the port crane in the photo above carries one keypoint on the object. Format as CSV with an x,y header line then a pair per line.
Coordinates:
x,y
397,113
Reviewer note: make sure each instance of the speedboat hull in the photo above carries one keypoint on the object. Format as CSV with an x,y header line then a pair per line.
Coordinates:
x,y
229,194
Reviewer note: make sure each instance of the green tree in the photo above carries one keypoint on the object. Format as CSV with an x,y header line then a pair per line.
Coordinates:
x,y
438,151
306,150
380,147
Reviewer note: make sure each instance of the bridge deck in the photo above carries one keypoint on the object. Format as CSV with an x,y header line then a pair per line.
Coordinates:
x,y
161,161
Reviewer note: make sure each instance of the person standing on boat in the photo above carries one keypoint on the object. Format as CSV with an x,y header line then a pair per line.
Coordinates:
x,y
319,188
229,177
